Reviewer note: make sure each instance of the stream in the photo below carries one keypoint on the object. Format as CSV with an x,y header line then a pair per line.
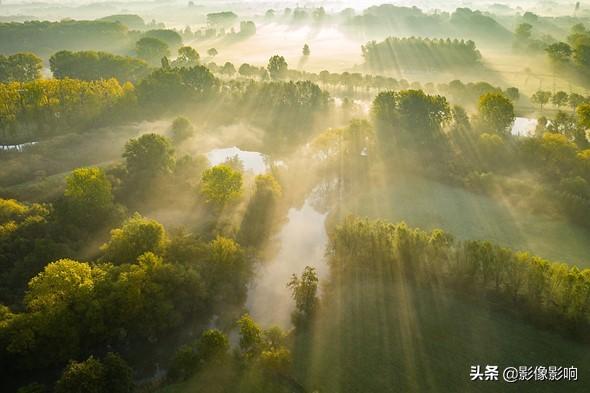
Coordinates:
x,y
300,242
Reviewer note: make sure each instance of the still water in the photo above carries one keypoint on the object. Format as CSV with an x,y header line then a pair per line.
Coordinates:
x,y
302,242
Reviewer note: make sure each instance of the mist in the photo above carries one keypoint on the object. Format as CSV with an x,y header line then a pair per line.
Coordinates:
x,y
280,196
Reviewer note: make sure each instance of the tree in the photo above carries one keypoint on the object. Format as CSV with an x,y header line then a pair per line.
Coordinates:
x,y
20,67
212,346
151,50
182,129
251,339
227,271
257,222
564,124
560,52
212,52
247,70
184,364
147,158
170,37
304,292
112,375
82,377
523,32
228,69
118,376
90,65
410,117
88,197
221,184
583,112
541,97
187,57
575,100
60,283
277,67
137,236
512,93
496,112
559,99
306,50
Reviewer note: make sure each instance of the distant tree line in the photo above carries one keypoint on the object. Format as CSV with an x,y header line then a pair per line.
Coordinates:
x,y
46,38
90,65
420,54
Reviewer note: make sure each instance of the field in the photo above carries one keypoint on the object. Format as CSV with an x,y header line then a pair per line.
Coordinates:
x,y
428,204
383,338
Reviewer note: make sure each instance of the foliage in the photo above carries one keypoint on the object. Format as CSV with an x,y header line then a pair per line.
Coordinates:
x,y
20,67
221,184
182,129
187,57
496,112
166,89
136,236
288,109
409,117
169,37
88,197
304,292
257,222
251,338
147,158
557,291
152,50
541,97
91,65
111,375
306,51
44,38
277,67
420,53
37,109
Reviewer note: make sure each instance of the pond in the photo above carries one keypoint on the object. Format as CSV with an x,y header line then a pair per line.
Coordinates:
x,y
524,126
302,242
253,161
18,147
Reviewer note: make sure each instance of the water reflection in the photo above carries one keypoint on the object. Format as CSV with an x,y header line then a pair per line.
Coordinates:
x,y
253,161
302,243
19,147
524,126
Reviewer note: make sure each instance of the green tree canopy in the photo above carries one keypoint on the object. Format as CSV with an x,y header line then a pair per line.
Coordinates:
x,y
88,196
20,67
496,112
187,57
541,97
148,157
151,50
277,67
91,65
221,184
135,237
182,129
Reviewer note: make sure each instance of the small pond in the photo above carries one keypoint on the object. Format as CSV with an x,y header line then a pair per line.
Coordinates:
x,y
253,161
524,126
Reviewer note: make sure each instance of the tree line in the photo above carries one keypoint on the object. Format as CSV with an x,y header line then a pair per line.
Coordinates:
x,y
553,294
420,53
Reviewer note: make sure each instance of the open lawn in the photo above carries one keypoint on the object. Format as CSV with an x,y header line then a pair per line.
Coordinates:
x,y
383,337
428,204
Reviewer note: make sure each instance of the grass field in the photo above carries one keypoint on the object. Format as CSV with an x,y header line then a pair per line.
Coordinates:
x,y
381,337
427,204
